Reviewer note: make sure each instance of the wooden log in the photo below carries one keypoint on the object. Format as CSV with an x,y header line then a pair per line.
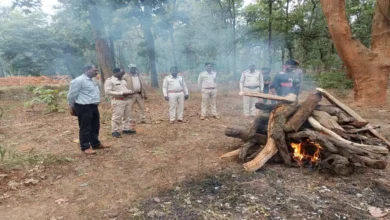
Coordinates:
x,y
359,124
367,148
244,150
303,112
230,155
376,164
344,107
266,107
290,98
326,120
351,131
270,149
338,164
342,117
241,133
316,137
327,143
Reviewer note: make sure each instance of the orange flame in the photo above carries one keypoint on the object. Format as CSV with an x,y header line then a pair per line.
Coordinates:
x,y
300,153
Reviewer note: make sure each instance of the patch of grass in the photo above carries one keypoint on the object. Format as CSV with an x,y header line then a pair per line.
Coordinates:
x,y
10,159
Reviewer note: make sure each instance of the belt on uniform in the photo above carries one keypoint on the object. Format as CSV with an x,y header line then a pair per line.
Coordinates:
x,y
118,98
209,88
174,91
252,87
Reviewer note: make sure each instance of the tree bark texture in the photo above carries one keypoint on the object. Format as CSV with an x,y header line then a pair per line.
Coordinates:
x,y
101,43
370,68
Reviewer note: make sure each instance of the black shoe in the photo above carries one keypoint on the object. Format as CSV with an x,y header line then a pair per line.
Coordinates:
x,y
116,135
129,132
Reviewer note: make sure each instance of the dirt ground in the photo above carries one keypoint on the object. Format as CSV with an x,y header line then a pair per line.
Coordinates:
x,y
166,171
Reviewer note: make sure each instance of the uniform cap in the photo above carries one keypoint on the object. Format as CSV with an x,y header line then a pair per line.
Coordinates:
x,y
132,65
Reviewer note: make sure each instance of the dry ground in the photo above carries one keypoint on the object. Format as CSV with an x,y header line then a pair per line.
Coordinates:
x,y
165,171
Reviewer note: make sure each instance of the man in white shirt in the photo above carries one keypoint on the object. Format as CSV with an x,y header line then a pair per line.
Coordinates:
x,y
251,81
175,91
208,85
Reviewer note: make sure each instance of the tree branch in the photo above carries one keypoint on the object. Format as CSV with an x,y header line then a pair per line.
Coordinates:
x,y
380,35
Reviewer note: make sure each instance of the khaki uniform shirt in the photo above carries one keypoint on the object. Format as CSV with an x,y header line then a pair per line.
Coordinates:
x,y
176,84
132,85
207,80
251,80
115,87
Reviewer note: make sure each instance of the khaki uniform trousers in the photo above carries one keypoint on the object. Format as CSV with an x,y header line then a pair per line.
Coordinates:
x,y
120,115
209,96
137,98
250,102
176,105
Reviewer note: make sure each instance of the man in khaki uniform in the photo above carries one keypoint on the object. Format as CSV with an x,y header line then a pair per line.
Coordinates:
x,y
116,87
251,81
175,91
208,85
136,83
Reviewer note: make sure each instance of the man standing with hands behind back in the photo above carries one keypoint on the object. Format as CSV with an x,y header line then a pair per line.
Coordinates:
x,y
251,81
175,91
208,85
83,99
136,83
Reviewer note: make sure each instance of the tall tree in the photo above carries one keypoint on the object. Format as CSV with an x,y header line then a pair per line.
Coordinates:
x,y
369,67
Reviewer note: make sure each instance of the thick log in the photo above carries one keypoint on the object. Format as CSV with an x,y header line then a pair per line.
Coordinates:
x,y
270,149
376,164
326,120
342,117
241,133
316,137
335,146
367,148
303,112
344,107
290,98
338,164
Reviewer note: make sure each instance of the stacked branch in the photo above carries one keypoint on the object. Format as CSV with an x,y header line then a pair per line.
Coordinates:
x,y
345,138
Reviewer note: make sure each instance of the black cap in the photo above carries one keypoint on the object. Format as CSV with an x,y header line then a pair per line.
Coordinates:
x,y
291,62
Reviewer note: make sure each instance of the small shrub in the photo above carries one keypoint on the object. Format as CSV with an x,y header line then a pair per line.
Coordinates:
x,y
51,97
330,80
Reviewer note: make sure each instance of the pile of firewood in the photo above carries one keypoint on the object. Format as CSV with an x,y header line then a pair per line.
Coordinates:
x,y
337,137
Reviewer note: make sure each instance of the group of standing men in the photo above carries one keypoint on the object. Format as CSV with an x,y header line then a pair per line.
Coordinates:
x,y
126,89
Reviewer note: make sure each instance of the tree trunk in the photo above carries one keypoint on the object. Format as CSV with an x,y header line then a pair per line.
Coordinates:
x,y
112,51
146,25
171,36
235,75
101,44
369,68
270,32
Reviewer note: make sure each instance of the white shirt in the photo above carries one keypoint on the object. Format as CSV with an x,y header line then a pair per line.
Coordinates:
x,y
177,83
207,80
251,79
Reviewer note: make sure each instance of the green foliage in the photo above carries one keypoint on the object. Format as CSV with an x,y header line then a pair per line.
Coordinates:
x,y
331,80
51,97
10,159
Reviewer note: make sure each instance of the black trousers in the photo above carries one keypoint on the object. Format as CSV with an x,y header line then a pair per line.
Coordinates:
x,y
89,125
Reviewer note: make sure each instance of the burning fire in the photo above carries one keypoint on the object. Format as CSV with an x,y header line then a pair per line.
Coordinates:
x,y
306,151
